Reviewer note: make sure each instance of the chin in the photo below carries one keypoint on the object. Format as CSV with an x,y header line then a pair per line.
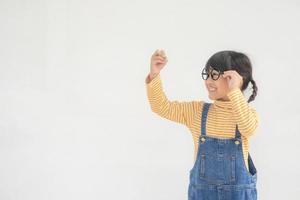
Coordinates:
x,y
212,97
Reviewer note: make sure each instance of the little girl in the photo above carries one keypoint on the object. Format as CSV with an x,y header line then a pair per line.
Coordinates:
x,y
223,168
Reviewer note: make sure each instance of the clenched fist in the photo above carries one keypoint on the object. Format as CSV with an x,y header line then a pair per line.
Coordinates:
x,y
158,61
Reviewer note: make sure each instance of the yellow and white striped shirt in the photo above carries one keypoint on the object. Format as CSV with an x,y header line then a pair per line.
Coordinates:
x,y
221,119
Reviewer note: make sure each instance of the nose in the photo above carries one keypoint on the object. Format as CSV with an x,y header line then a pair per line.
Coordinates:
x,y
209,83
209,80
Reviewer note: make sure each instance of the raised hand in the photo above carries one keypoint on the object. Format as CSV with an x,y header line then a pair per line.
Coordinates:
x,y
158,61
234,79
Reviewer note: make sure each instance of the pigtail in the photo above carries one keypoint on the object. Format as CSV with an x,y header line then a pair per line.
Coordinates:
x,y
254,93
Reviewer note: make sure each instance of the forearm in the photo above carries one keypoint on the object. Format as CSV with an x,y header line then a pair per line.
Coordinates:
x,y
246,117
160,104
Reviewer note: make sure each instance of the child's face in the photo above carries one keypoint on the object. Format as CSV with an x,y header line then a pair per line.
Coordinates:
x,y
217,89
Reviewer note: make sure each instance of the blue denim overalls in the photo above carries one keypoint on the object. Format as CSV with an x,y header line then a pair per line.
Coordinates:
x,y
219,172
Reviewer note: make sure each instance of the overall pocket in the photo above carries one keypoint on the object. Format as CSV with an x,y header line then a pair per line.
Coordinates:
x,y
216,169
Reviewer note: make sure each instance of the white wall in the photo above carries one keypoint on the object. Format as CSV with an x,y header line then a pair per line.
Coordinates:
x,y
75,122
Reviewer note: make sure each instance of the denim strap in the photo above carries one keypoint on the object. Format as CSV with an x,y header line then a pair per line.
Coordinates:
x,y
204,118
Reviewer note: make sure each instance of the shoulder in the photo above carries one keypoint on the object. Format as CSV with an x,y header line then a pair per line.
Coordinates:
x,y
197,105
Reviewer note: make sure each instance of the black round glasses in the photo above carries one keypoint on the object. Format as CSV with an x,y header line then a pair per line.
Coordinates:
x,y
214,74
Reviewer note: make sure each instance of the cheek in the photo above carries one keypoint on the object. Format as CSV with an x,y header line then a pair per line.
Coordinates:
x,y
222,85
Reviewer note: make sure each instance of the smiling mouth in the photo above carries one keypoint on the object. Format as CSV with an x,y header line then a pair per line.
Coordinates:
x,y
212,89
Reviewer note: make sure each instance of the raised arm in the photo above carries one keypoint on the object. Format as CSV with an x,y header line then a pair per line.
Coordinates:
x,y
246,117
182,112
178,111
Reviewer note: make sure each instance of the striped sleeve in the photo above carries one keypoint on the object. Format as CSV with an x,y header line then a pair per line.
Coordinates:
x,y
178,111
246,117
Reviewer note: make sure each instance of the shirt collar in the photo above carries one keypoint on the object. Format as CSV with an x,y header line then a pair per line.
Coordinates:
x,y
223,104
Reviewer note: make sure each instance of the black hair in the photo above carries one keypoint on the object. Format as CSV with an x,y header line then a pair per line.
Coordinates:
x,y
232,60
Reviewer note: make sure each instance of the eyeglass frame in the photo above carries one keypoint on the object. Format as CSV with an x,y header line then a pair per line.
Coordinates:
x,y
210,74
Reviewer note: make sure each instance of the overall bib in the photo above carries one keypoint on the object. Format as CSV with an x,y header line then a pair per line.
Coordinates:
x,y
219,172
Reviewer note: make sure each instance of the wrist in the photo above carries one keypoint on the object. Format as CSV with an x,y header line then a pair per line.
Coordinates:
x,y
152,75
233,92
233,89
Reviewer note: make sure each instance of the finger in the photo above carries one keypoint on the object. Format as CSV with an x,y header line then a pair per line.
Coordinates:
x,y
160,60
228,72
233,72
226,75
158,51
157,55
228,79
160,57
161,52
